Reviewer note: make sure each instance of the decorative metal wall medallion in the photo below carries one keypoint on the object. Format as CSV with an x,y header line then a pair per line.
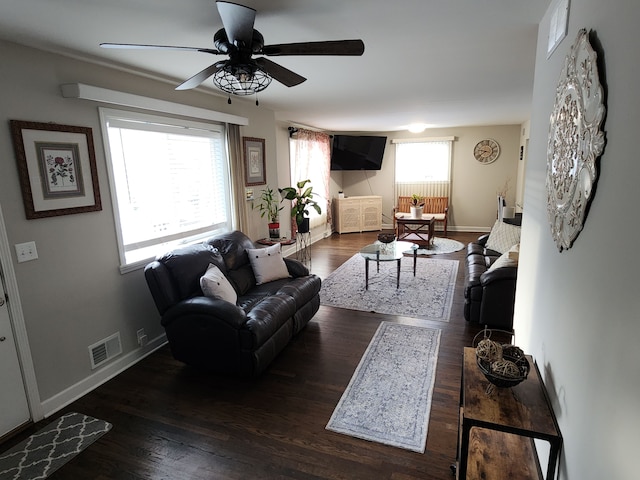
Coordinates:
x,y
575,142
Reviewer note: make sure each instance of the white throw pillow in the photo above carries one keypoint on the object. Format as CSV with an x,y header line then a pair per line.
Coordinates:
x,y
214,284
503,236
267,264
503,261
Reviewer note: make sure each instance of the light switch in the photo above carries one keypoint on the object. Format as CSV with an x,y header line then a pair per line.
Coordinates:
x,y
26,251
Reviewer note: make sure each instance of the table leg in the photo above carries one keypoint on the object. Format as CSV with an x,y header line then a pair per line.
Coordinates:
x,y
432,231
553,459
378,261
415,259
366,274
464,452
398,279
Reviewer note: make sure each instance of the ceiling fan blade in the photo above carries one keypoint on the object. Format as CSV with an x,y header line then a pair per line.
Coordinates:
x,y
159,47
278,72
238,22
330,47
200,77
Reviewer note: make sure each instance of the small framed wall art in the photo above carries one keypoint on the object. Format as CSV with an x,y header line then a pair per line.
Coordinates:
x,y
254,161
57,168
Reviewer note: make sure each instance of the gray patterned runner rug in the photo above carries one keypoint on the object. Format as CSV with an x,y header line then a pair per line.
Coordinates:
x,y
428,295
388,399
47,450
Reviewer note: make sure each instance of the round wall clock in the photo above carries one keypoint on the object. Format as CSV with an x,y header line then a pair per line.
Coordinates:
x,y
575,142
486,151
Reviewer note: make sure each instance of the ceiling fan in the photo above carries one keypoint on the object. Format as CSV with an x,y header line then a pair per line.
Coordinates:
x,y
241,74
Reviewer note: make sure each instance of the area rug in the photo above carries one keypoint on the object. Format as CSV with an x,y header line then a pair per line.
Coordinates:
x,y
388,399
428,295
440,245
47,450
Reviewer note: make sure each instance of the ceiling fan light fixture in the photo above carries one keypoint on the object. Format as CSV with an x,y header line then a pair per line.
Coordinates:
x,y
243,79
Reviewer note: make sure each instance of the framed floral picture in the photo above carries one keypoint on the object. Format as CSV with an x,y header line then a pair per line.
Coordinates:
x,y
254,161
57,168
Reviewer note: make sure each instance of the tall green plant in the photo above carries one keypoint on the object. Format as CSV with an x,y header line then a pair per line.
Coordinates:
x,y
269,205
302,200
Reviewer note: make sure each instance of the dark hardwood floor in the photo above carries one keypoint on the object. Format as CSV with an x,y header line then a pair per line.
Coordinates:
x,y
174,422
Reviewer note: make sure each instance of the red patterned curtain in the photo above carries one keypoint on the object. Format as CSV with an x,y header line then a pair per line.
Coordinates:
x,y
311,158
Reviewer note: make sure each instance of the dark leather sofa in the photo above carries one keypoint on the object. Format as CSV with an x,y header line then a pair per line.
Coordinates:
x,y
240,339
489,295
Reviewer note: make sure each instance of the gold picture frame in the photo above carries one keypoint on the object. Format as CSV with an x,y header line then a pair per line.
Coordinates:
x,y
254,161
57,168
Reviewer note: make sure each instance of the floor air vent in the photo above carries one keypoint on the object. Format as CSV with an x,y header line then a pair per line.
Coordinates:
x,y
105,350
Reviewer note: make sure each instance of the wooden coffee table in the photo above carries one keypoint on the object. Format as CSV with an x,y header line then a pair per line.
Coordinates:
x,y
416,230
387,252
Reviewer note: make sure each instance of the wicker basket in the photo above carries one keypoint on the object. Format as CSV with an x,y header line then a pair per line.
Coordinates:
x,y
510,353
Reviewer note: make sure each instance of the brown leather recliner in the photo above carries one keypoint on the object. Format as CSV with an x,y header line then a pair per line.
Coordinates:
x,y
242,338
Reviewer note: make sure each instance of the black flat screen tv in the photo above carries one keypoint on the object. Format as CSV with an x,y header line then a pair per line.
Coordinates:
x,y
357,152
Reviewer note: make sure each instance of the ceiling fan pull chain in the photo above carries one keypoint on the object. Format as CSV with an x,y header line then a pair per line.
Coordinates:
x,y
229,100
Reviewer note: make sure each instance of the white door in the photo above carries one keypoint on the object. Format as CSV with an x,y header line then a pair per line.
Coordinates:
x,y
13,397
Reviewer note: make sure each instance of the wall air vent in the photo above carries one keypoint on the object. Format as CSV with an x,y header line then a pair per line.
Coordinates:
x,y
104,350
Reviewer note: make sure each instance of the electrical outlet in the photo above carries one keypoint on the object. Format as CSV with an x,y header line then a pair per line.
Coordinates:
x,y
26,251
142,337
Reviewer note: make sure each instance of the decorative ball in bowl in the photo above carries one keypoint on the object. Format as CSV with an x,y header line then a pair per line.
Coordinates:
x,y
504,366
386,237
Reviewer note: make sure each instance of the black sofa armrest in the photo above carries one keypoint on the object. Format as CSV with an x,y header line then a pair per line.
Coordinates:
x,y
296,268
498,274
482,239
217,310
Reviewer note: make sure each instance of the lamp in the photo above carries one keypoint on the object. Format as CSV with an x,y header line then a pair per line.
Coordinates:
x,y
241,78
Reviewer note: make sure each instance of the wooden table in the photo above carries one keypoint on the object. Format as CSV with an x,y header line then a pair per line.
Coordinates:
x,y
497,430
416,230
273,241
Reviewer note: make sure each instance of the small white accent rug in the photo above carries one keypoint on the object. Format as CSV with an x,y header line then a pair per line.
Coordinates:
x,y
388,399
441,245
47,450
428,295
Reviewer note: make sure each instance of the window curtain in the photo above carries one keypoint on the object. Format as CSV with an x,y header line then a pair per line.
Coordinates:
x,y
236,164
311,158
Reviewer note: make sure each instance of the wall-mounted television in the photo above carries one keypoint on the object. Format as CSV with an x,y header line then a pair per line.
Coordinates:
x,y
357,152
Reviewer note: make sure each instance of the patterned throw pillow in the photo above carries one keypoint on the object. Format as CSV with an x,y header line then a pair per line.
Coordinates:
x,y
267,264
503,236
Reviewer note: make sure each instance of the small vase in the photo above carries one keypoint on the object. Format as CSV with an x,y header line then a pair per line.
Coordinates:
x,y
416,211
274,231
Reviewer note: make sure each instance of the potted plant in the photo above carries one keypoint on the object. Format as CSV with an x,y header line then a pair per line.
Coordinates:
x,y
417,206
270,206
302,200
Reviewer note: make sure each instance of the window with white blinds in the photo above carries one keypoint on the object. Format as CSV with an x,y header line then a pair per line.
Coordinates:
x,y
423,166
170,179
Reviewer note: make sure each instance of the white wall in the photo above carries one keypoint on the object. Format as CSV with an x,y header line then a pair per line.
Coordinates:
x,y
74,294
577,311
472,205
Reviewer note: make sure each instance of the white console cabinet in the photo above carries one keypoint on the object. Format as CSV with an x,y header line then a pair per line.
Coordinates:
x,y
358,214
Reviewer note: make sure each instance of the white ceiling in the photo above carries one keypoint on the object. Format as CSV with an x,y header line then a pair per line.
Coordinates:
x,y
438,62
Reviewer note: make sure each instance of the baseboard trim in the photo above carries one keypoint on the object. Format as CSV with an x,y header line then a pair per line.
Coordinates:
x,y
74,392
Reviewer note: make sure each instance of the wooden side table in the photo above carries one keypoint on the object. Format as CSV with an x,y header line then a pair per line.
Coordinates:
x,y
416,230
273,241
496,431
